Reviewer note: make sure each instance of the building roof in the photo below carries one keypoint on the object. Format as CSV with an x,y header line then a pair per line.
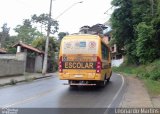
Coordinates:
x,y
2,50
28,47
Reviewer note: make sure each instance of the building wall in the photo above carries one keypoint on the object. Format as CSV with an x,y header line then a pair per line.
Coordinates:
x,y
9,67
7,56
117,62
38,63
21,56
106,39
12,64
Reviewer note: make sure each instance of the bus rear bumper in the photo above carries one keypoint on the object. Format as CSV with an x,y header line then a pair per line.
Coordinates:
x,y
80,77
79,84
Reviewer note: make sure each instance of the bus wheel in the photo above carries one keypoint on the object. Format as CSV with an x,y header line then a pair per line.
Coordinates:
x,y
111,74
73,86
102,83
108,79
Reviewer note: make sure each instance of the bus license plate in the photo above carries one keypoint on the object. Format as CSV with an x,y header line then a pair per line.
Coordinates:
x,y
78,76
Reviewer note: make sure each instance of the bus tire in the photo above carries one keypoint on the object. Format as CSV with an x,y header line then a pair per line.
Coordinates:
x,y
111,74
108,79
73,86
102,83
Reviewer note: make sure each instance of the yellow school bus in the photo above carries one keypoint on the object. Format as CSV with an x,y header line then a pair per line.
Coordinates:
x,y
84,60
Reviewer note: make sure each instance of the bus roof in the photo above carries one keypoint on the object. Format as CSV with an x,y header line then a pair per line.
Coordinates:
x,y
81,35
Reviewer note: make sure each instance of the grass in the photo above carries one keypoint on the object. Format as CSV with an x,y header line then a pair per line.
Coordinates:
x,y
149,73
152,86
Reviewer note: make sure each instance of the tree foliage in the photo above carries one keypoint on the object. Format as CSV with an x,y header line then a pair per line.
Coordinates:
x,y
122,24
136,28
61,35
144,43
52,48
40,44
26,32
4,35
29,34
43,19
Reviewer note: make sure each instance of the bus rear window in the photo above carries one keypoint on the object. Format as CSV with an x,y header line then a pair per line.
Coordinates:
x,y
104,51
76,46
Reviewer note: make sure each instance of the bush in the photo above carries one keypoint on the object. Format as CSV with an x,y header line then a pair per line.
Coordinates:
x,y
148,71
155,75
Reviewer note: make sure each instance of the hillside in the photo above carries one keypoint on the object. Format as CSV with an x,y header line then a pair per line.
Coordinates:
x,y
149,73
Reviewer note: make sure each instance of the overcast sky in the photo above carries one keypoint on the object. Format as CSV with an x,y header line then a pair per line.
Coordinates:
x,y
89,12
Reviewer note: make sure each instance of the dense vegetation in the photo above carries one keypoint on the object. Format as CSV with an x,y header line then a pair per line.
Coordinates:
x,y
149,73
136,29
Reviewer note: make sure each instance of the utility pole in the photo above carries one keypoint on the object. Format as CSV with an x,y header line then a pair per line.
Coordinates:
x,y
47,41
48,32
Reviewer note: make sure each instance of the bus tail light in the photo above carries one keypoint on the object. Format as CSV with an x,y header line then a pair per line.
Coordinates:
x,y
60,65
98,65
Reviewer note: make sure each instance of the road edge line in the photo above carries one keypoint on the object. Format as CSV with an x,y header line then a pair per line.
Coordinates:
x,y
116,95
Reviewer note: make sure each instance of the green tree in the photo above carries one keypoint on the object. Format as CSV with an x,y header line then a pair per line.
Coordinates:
x,y
156,27
136,26
122,26
43,20
144,43
61,35
141,11
40,44
145,19
4,35
26,32
53,47
9,44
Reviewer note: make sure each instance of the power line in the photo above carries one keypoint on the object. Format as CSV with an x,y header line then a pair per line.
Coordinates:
x,y
67,9
106,12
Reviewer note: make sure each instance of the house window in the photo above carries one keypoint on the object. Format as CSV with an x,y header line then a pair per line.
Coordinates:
x,y
119,56
113,48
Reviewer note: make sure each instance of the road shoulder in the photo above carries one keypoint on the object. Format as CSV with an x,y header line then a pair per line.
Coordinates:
x,y
136,95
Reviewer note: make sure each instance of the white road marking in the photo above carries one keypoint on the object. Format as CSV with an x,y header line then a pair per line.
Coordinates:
x,y
46,92
116,95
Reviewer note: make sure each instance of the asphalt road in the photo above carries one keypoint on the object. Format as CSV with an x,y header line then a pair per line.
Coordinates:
x,y
51,93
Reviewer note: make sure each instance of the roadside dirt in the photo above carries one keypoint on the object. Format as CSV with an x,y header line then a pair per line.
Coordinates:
x,y
136,95
156,101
